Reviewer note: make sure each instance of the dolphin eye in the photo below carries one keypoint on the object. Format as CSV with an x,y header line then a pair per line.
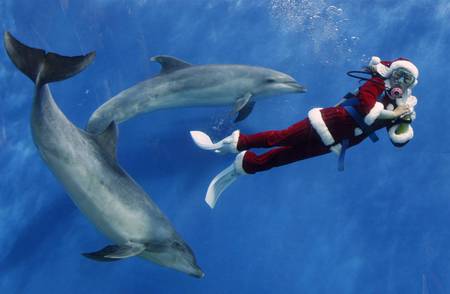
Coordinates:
x,y
178,245
270,81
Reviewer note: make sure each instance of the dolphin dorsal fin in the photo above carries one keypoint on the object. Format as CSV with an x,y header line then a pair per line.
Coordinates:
x,y
108,140
169,64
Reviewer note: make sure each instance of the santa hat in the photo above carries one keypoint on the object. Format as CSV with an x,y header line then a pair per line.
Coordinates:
x,y
385,68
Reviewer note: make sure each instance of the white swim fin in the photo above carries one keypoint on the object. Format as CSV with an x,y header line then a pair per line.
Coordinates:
x,y
226,145
224,179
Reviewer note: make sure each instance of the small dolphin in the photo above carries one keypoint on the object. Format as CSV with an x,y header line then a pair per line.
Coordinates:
x,y
87,167
181,84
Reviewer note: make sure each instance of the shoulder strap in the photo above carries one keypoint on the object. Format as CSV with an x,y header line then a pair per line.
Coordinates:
x,y
360,121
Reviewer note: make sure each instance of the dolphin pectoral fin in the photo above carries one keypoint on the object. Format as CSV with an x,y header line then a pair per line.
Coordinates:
x,y
169,63
245,111
116,252
108,140
242,101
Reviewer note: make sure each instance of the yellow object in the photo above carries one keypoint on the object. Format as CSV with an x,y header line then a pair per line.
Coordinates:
x,y
403,127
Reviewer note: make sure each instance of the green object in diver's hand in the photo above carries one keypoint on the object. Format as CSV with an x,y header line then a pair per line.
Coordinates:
x,y
403,127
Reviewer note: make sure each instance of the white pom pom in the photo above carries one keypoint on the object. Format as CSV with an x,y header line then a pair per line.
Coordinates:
x,y
374,60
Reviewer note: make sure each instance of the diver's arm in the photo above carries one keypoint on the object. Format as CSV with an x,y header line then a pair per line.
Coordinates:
x,y
367,95
400,111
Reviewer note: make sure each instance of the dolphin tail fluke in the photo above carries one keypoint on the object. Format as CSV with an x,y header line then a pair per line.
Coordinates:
x,y
42,67
116,252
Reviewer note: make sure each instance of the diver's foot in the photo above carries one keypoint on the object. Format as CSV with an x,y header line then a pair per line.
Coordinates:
x,y
224,179
224,146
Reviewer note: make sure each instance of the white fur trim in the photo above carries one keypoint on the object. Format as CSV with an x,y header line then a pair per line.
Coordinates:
x,y
234,141
411,102
374,60
408,65
238,163
337,149
317,122
374,113
381,69
401,138
376,66
358,132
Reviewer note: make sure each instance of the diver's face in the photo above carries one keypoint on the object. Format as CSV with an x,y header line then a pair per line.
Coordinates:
x,y
402,78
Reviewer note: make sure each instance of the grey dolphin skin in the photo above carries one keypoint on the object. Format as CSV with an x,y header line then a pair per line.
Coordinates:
x,y
86,165
181,84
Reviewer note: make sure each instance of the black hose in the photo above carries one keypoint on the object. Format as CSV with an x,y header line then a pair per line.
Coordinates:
x,y
356,74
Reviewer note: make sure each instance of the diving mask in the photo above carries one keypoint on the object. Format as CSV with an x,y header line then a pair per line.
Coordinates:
x,y
402,77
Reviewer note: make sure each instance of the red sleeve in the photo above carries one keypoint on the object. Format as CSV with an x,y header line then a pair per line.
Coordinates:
x,y
368,93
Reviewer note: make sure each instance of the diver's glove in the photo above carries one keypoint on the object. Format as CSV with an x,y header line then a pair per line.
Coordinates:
x,y
408,117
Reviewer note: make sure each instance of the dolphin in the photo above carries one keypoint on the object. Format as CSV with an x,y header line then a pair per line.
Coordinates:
x,y
180,84
87,167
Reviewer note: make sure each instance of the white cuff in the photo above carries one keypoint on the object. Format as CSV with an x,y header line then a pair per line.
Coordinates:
x,y
317,122
374,113
401,138
336,149
238,163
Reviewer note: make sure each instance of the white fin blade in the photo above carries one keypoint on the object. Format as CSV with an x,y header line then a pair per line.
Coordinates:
x,y
219,184
202,140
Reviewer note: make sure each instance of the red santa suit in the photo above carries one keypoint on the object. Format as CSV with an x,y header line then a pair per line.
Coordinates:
x,y
323,131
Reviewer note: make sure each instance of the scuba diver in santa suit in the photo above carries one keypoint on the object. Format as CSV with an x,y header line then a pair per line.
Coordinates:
x,y
383,101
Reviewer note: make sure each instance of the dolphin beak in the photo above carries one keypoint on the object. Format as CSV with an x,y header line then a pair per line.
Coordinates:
x,y
296,86
198,273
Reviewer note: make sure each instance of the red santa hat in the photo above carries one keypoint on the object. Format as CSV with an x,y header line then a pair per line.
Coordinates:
x,y
385,68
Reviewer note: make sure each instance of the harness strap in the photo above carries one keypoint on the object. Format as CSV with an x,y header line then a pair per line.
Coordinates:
x,y
341,159
360,121
349,105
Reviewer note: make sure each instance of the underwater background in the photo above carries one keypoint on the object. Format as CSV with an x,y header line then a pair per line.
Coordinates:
x,y
382,226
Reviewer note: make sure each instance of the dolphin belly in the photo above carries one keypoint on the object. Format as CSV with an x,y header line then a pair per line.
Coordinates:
x,y
86,164
150,96
111,201
183,85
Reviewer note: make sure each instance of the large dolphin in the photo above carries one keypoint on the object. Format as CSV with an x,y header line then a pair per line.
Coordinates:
x,y
87,167
181,84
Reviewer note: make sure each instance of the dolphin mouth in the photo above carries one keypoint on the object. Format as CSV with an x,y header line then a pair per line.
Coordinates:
x,y
197,273
293,84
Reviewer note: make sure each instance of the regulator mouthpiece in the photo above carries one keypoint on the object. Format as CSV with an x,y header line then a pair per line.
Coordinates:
x,y
396,93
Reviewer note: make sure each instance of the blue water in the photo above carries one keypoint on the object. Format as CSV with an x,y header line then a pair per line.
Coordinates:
x,y
379,227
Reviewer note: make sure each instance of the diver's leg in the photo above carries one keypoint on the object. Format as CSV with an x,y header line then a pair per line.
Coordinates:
x,y
253,163
297,134
248,162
